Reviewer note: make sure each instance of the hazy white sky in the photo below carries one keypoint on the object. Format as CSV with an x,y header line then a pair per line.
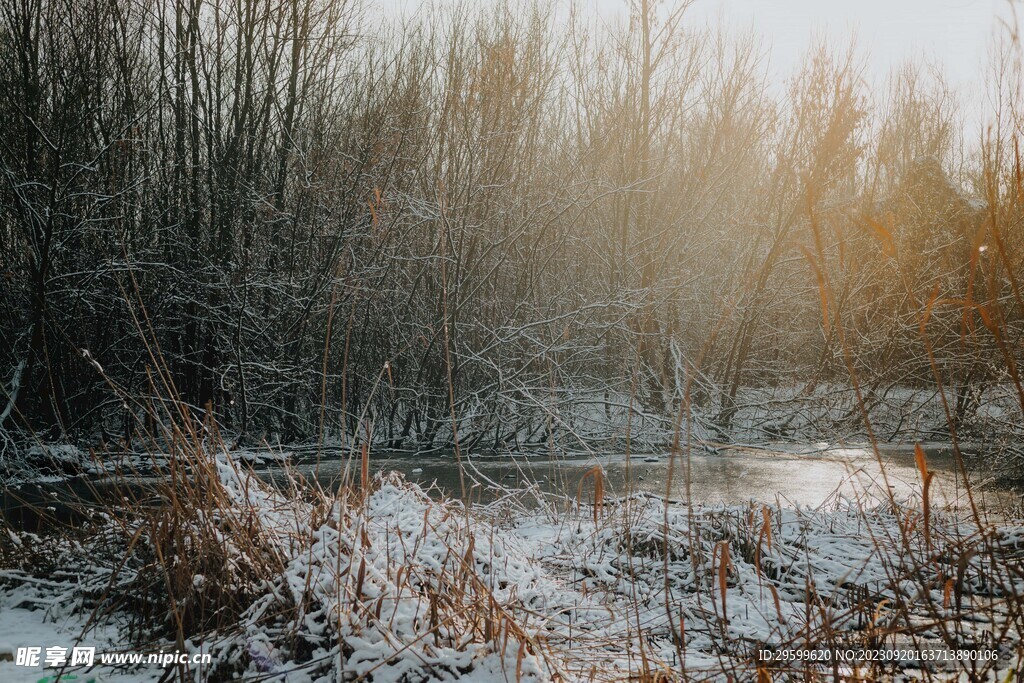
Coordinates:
x,y
954,34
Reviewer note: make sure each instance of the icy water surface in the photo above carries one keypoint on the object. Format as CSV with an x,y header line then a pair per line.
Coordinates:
x,y
813,475
810,476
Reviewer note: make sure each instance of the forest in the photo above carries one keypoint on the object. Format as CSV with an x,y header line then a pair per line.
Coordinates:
x,y
495,224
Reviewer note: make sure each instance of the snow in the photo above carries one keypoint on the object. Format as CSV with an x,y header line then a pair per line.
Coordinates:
x,y
393,557
34,615
586,422
391,585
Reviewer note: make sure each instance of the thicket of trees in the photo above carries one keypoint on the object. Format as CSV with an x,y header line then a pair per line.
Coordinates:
x,y
306,221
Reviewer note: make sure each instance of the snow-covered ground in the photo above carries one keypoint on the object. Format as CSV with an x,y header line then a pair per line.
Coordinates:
x,y
36,615
395,586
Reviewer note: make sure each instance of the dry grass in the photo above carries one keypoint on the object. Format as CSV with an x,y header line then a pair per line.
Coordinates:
x,y
377,581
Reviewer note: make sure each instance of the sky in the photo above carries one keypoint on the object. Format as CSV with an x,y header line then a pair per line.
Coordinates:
x,y
956,35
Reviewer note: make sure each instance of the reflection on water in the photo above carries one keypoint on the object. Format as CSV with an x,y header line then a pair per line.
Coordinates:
x,y
738,475
811,477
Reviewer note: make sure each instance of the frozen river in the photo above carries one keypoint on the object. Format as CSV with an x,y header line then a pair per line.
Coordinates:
x,y
813,475
808,476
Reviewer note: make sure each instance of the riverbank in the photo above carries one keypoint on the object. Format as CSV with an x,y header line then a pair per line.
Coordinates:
x,y
386,583
792,418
